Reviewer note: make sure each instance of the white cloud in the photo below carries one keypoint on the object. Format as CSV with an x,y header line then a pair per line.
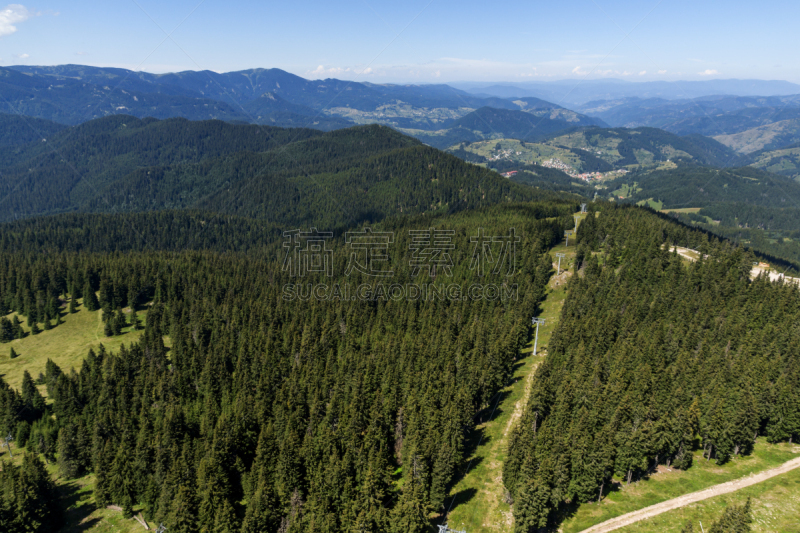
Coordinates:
x,y
662,72
577,70
322,72
642,73
10,15
708,72
22,56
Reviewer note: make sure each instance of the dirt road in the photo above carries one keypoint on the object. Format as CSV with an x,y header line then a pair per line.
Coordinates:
x,y
686,499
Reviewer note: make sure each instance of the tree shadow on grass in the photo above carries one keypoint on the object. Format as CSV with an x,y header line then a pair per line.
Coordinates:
x,y
452,502
77,506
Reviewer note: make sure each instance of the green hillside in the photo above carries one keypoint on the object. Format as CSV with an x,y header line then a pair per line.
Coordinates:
x,y
16,130
785,161
496,153
125,164
646,146
492,123
703,186
774,136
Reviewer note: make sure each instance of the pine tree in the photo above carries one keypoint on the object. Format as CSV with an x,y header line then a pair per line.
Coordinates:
x,y
121,478
6,330
410,515
31,397
118,322
16,325
72,305
135,322
90,301
13,354
735,519
69,455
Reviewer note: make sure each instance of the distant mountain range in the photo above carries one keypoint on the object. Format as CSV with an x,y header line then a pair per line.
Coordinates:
x,y
579,92
72,94
708,115
439,115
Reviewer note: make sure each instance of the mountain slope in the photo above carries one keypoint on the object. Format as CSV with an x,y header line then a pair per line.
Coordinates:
x,y
709,115
492,123
699,187
773,136
16,130
785,161
284,175
643,146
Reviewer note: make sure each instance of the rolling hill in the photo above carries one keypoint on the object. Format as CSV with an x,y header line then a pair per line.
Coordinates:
x,y
785,161
532,124
702,186
623,147
773,136
125,164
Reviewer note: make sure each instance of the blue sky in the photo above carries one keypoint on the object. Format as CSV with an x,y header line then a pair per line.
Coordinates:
x,y
418,41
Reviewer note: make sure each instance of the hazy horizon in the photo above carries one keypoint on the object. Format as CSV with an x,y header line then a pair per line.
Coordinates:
x,y
420,41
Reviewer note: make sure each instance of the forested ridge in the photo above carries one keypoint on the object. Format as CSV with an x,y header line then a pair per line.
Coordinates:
x,y
652,359
265,413
123,164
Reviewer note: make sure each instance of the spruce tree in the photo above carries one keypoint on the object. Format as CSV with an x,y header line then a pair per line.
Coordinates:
x,y
69,455
72,306
735,519
118,322
6,330
16,325
90,301
13,354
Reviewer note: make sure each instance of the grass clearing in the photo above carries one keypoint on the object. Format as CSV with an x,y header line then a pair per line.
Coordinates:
x,y
670,484
775,504
66,345
477,498
682,210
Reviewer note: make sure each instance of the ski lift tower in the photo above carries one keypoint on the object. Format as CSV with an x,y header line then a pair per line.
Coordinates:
x,y
536,322
560,257
9,438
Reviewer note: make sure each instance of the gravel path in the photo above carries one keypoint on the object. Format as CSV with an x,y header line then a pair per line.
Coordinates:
x,y
686,499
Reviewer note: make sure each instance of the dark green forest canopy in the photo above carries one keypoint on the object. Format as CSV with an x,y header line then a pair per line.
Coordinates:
x,y
691,186
279,175
269,409
652,358
17,130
